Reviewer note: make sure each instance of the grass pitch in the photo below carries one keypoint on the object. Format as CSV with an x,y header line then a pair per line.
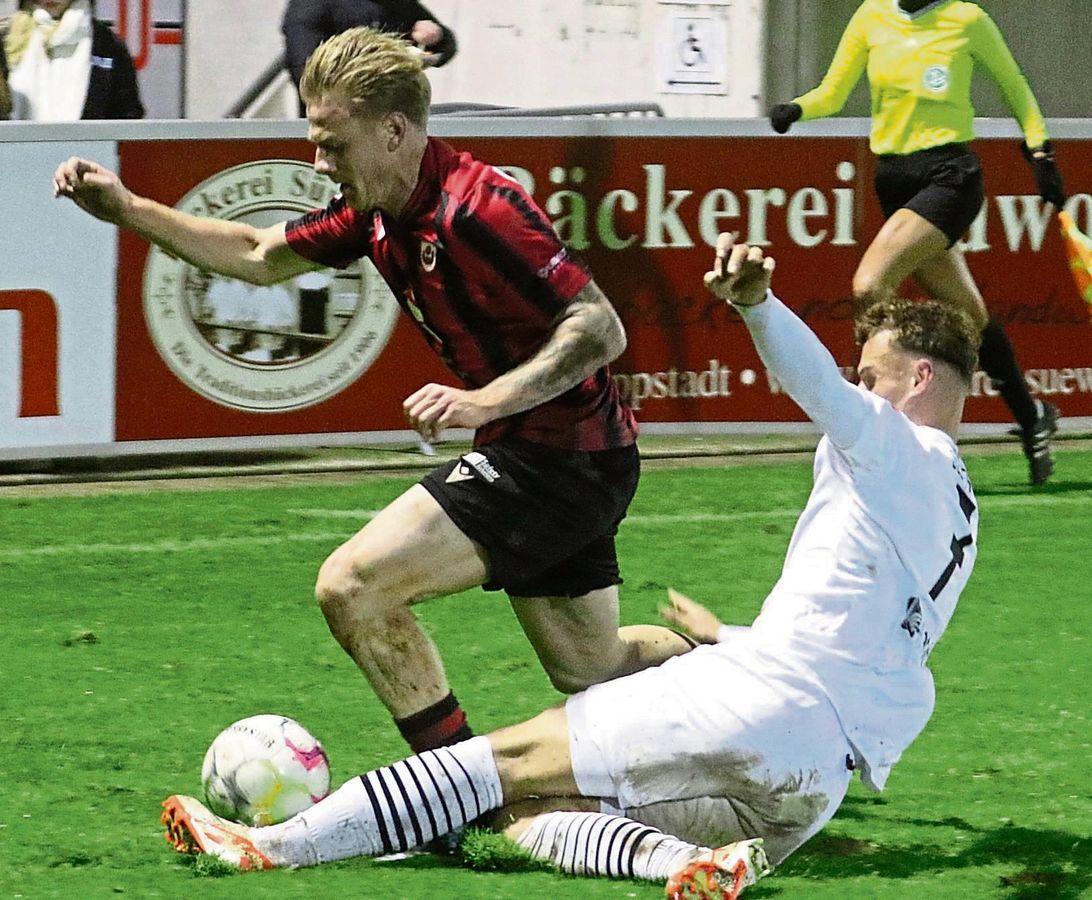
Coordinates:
x,y
138,623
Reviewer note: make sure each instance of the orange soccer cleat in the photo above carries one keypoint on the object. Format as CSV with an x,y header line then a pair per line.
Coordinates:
x,y
192,828
720,874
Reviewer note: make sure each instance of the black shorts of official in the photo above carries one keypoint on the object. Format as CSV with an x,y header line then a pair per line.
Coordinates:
x,y
943,185
547,517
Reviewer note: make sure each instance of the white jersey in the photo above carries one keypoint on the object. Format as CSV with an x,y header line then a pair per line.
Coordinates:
x,y
879,556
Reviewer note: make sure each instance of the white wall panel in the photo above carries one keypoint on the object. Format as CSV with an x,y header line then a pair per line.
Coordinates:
x,y
51,246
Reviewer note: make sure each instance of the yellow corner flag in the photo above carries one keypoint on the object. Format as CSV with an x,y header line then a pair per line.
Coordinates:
x,y
1078,247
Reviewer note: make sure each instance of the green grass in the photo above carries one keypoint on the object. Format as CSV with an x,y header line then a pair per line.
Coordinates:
x,y
136,624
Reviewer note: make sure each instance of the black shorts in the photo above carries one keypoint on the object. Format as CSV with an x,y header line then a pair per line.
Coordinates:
x,y
943,185
546,517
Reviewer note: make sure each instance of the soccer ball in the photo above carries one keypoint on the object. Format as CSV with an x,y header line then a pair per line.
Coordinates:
x,y
263,770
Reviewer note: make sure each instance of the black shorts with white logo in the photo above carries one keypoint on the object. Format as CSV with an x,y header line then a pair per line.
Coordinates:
x,y
943,185
547,517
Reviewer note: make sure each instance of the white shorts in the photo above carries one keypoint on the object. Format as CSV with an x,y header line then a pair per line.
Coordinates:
x,y
723,743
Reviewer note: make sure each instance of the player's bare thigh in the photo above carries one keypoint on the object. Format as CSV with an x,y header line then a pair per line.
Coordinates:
x,y
575,638
411,551
905,243
948,279
533,757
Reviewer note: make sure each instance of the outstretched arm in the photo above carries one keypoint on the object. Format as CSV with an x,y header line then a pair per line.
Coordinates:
x,y
787,347
234,249
988,47
844,72
587,335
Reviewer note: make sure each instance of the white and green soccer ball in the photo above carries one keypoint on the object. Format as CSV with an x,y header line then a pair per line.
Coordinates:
x,y
263,770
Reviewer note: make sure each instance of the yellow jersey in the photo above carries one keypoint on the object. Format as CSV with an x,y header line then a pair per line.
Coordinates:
x,y
919,71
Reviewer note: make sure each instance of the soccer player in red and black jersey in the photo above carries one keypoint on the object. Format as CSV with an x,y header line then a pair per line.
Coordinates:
x,y
535,507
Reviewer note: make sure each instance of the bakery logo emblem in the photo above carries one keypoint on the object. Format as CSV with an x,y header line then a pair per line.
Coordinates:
x,y
936,79
428,256
265,349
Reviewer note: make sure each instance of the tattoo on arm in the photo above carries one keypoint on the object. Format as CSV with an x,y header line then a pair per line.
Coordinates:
x,y
587,335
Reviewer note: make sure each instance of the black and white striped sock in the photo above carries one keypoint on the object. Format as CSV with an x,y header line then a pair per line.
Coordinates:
x,y
390,809
583,843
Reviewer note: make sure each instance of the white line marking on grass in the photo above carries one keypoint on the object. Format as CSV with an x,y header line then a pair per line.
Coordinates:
x,y
637,519
361,515
989,501
170,546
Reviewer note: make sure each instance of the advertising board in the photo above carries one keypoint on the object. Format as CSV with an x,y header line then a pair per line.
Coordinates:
x,y
152,352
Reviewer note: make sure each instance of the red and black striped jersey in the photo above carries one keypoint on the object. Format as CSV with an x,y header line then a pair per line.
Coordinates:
x,y
482,273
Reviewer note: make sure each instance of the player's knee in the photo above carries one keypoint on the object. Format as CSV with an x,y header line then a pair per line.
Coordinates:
x,y
342,586
570,682
575,673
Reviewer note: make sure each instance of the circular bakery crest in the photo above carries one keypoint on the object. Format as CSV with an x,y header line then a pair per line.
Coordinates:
x,y
265,349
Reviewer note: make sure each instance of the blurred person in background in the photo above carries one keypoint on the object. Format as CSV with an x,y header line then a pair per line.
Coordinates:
x,y
67,65
920,56
307,23
5,94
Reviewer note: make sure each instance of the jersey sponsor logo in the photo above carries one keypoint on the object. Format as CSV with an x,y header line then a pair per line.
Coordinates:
x,y
265,349
936,79
912,623
461,472
556,260
482,466
473,465
428,256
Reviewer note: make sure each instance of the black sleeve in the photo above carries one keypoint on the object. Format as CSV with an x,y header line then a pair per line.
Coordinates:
x,y
112,91
306,24
446,47
410,11
125,92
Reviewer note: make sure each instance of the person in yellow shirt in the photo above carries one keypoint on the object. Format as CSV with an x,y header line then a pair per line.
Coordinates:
x,y
920,56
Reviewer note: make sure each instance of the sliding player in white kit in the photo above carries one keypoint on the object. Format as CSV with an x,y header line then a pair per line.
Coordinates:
x,y
751,740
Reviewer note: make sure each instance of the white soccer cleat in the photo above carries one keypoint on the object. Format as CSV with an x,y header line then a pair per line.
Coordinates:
x,y
192,828
720,874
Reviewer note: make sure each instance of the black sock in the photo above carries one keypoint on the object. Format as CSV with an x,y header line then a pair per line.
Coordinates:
x,y
439,725
998,359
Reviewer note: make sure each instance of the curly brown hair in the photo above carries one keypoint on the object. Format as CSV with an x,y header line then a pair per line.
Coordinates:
x,y
933,329
376,72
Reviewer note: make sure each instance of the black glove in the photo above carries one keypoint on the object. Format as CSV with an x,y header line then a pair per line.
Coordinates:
x,y
783,115
1047,176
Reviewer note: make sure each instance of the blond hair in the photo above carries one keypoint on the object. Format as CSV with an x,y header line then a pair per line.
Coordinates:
x,y
376,72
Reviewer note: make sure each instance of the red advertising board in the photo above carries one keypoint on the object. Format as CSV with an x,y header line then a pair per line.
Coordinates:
x,y
153,402
643,211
